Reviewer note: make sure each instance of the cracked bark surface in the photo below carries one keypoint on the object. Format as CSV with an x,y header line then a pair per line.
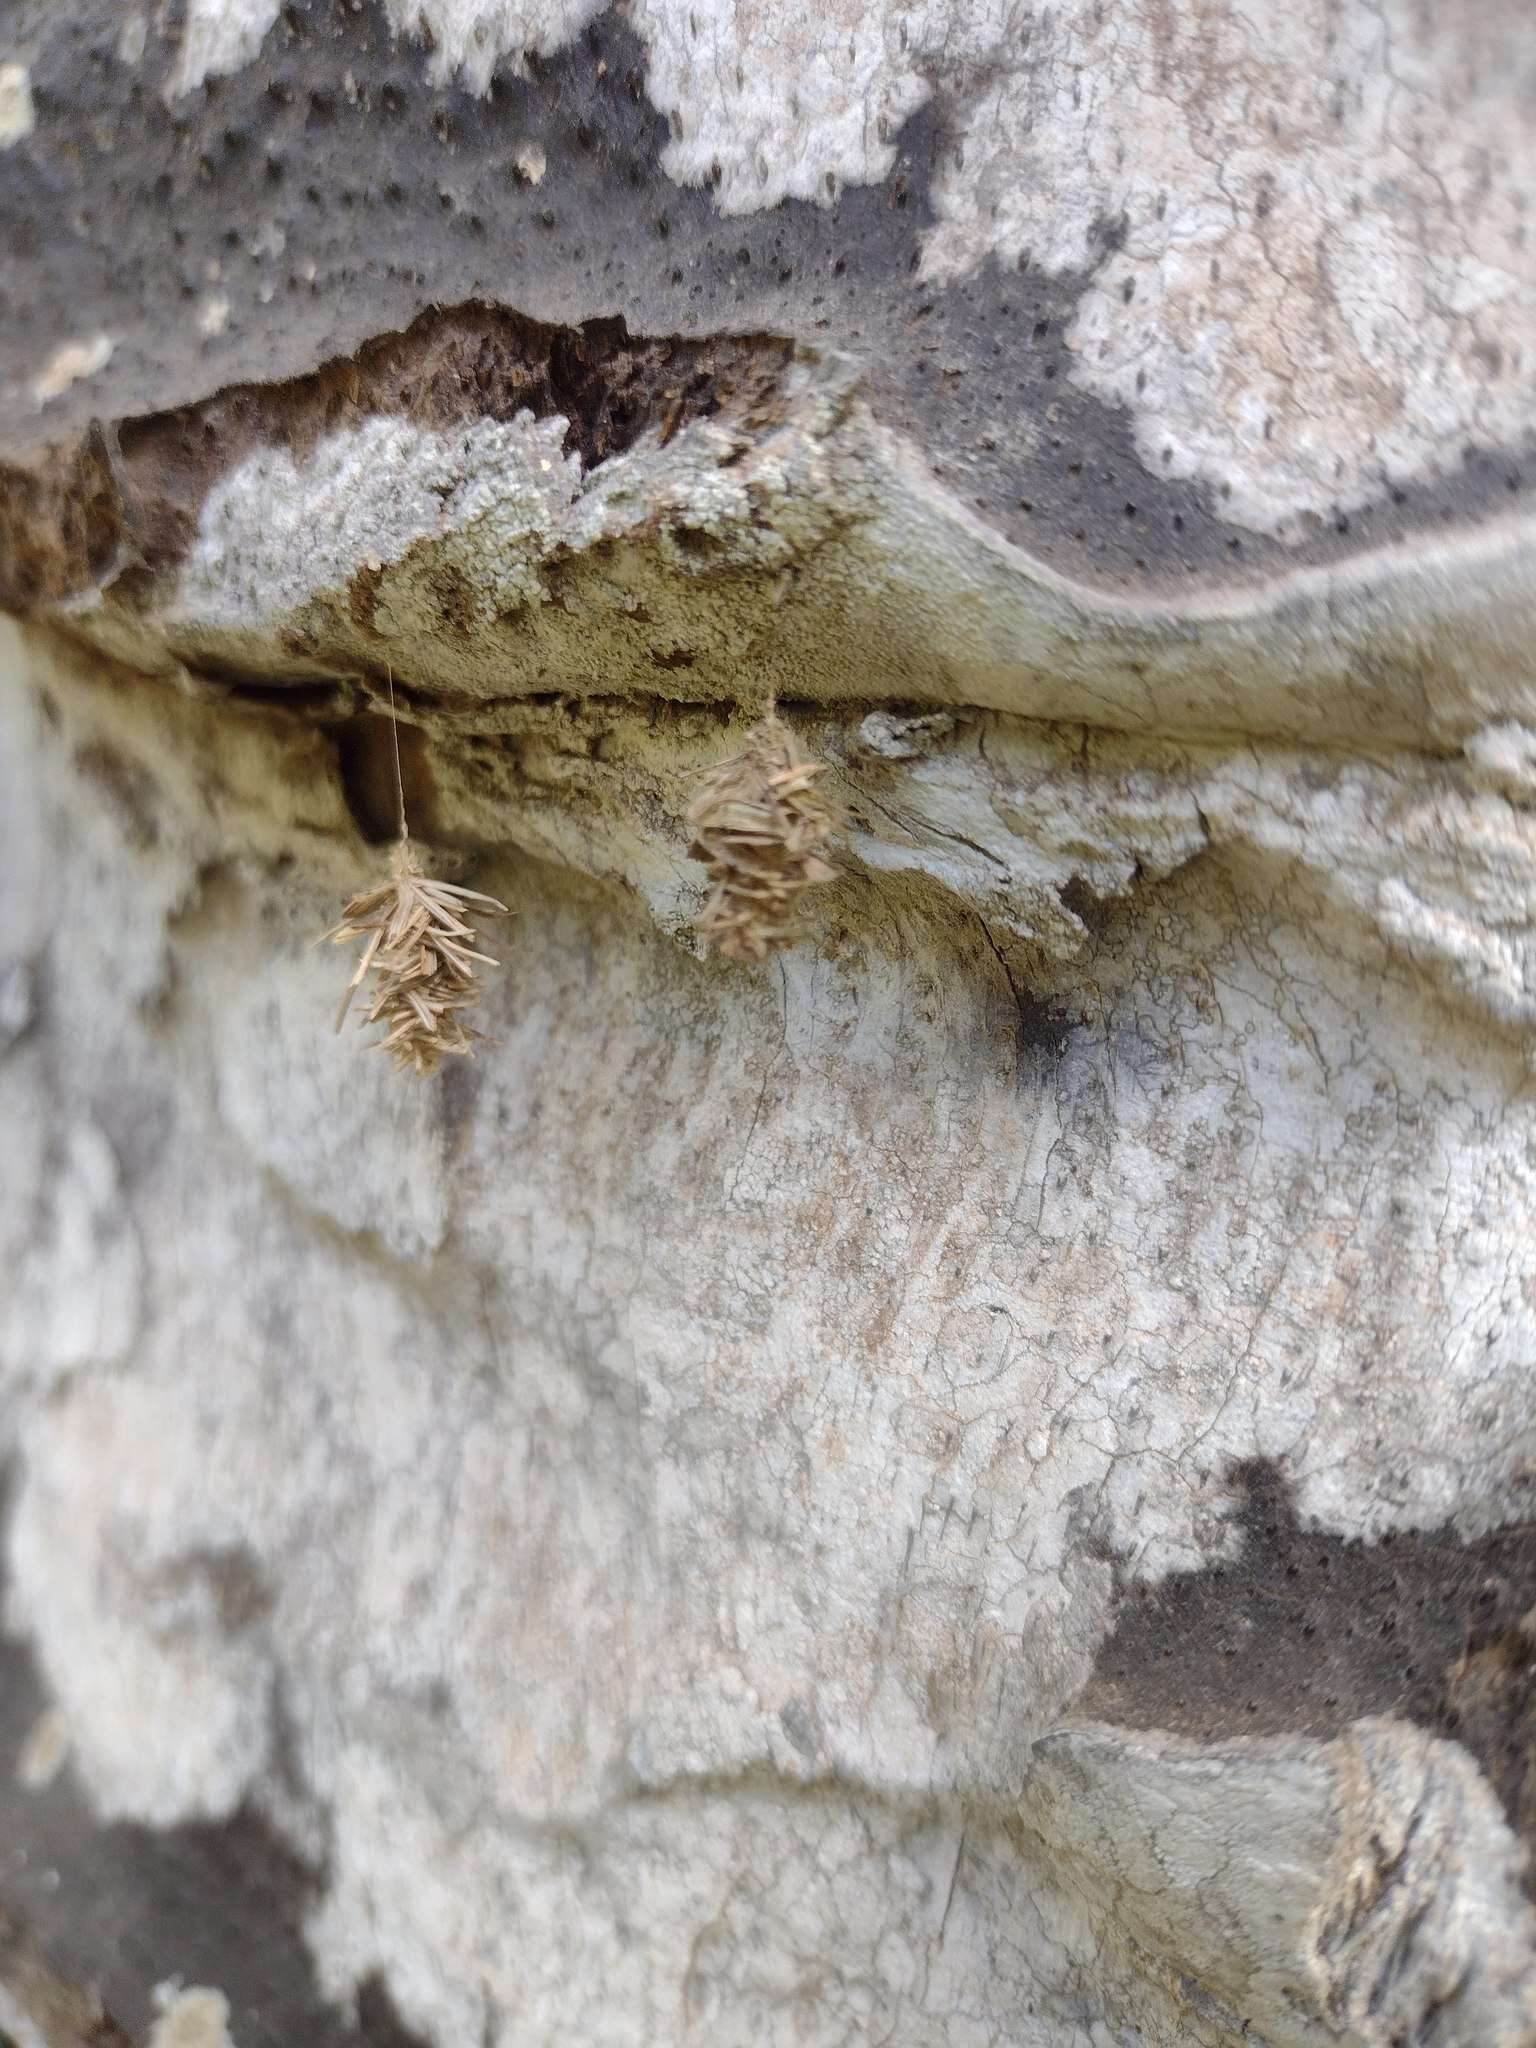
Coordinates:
x,y
972,1485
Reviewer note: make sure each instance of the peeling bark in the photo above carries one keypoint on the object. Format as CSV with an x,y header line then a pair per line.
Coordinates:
x,y
973,1483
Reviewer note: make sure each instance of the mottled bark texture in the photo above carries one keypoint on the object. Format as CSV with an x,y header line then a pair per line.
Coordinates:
x,y
971,1482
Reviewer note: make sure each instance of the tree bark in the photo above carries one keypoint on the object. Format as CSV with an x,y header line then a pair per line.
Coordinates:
x,y
970,1483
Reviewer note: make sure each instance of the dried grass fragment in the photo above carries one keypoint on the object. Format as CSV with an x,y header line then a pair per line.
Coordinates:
x,y
758,822
422,949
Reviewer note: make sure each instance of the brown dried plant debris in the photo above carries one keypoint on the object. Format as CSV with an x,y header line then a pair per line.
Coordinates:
x,y
758,822
422,949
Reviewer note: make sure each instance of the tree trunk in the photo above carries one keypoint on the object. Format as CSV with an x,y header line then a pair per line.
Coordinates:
x,y
970,1482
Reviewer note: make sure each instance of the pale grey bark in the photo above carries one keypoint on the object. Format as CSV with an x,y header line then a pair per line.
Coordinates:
x,y
971,1485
